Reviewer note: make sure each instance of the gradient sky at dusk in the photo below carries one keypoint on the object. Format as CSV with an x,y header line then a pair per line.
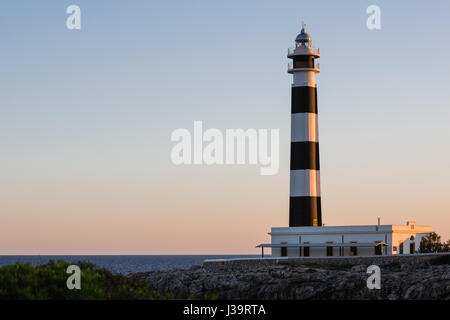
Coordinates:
x,y
86,118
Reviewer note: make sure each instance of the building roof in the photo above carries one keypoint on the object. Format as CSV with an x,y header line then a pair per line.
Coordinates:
x,y
355,229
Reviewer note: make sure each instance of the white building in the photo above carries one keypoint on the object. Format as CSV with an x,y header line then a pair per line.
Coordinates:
x,y
346,240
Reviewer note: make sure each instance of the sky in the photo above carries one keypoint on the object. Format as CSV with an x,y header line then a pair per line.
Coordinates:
x,y
86,118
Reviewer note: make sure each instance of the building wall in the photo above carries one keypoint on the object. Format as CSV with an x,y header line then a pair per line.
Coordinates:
x,y
322,252
406,239
324,238
390,234
404,234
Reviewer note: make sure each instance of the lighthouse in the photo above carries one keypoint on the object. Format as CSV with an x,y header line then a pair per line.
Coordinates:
x,y
306,236
304,201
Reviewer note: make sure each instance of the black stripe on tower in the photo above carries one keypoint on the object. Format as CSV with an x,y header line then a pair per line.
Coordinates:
x,y
304,99
305,155
305,211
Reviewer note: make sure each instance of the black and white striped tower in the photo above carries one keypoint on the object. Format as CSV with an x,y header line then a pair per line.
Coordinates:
x,y
304,201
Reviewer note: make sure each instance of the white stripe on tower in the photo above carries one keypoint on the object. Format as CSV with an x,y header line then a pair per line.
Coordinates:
x,y
304,203
304,127
305,183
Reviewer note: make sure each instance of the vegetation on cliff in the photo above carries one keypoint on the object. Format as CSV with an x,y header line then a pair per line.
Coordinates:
x,y
432,243
24,282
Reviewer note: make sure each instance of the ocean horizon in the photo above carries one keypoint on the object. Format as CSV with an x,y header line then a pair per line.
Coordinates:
x,y
123,264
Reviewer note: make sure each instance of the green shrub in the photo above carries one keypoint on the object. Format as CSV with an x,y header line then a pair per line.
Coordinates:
x,y
432,243
24,282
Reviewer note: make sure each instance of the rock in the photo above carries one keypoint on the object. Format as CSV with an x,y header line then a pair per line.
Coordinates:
x,y
414,292
305,292
359,269
270,281
195,267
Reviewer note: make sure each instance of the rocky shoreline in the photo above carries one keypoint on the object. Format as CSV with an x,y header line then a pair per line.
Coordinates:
x,y
400,280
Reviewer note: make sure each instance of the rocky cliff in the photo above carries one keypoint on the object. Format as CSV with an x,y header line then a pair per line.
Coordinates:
x,y
414,279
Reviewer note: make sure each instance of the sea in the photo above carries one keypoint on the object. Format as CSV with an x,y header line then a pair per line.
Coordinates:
x,y
123,264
